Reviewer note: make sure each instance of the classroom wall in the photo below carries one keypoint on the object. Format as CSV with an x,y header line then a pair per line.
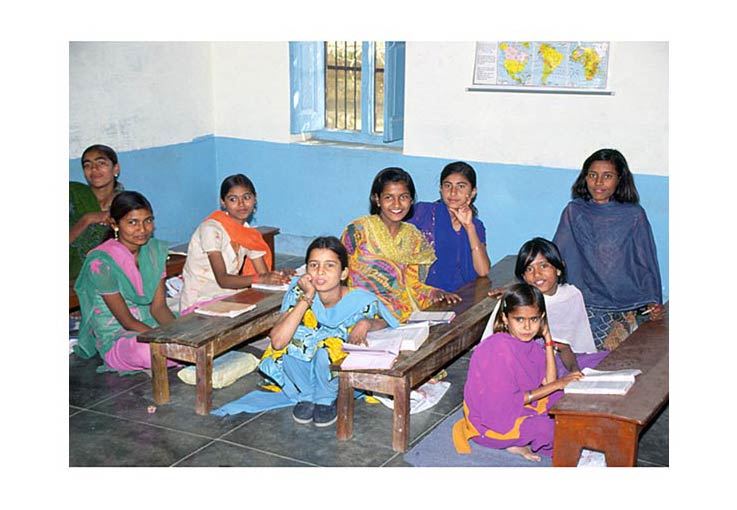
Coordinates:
x,y
185,115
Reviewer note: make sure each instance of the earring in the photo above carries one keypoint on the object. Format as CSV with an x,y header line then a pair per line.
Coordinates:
x,y
115,233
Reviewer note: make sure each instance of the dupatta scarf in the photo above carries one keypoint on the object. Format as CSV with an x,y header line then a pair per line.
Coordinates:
x,y
390,267
111,268
247,237
610,255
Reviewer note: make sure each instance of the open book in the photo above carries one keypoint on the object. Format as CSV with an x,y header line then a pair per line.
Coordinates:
x,y
412,335
378,354
432,317
225,309
599,382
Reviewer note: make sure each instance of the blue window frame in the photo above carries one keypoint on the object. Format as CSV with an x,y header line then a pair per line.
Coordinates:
x,y
308,98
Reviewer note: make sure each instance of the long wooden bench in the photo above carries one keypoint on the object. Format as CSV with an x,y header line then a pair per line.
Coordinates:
x,y
198,339
412,368
612,424
175,263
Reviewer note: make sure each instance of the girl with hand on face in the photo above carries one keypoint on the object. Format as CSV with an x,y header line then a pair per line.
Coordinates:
x,y
225,254
539,264
512,381
319,313
121,288
89,204
452,228
606,240
386,254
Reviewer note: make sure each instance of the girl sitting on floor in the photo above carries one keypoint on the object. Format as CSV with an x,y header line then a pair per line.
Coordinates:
x,y
512,381
539,263
224,253
387,255
452,228
309,335
121,288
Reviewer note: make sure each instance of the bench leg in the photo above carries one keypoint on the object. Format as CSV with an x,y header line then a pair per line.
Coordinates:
x,y
400,430
346,404
159,375
203,360
616,438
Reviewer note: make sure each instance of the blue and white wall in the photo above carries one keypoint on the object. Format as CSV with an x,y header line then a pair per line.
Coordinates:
x,y
183,116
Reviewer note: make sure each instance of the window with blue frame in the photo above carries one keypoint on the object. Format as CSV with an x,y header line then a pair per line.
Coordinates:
x,y
348,91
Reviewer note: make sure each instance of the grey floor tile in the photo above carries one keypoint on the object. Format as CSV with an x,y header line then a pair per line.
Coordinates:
x,y
99,440
179,412
653,449
87,387
221,454
276,431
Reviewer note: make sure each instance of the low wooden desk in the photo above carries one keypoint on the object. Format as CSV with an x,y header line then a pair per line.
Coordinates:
x,y
199,338
612,423
175,263
412,368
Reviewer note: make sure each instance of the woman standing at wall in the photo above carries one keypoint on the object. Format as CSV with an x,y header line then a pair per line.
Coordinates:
x,y
606,240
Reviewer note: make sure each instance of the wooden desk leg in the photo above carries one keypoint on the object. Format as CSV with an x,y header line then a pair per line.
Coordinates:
x,y
346,404
400,429
617,439
159,375
203,360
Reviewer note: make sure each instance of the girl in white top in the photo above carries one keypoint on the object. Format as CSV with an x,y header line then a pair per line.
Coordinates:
x,y
539,263
225,254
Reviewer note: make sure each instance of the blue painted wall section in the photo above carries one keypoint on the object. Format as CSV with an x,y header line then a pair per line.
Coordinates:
x,y
312,190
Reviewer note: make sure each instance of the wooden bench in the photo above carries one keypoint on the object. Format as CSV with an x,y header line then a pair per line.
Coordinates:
x,y
198,339
175,263
412,368
612,423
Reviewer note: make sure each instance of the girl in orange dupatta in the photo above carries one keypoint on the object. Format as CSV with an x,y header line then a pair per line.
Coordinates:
x,y
225,254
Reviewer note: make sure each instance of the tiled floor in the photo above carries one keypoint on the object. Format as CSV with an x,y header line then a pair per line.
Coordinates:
x,y
109,425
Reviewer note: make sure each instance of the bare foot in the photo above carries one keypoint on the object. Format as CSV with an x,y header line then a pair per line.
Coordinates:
x,y
525,452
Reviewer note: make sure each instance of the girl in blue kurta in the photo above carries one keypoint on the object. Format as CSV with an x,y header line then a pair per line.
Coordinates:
x,y
452,228
318,315
606,240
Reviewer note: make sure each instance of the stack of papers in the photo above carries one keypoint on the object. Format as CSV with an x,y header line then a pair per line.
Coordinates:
x,y
412,335
378,354
432,317
599,382
225,309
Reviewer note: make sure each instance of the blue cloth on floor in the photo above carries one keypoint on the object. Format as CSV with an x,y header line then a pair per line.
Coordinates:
x,y
437,450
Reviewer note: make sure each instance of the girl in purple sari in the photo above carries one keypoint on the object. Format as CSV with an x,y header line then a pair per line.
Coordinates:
x,y
512,381
452,228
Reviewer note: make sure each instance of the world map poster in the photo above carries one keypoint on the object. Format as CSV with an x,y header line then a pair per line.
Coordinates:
x,y
536,64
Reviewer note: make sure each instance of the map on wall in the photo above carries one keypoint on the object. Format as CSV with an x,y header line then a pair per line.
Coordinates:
x,y
573,65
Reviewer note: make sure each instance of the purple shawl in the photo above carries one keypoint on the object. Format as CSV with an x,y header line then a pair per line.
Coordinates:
x,y
454,265
610,255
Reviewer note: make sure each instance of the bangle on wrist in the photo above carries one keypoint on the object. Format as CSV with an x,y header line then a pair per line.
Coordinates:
x,y
305,299
549,344
529,397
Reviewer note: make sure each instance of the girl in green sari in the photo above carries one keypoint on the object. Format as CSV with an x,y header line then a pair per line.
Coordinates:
x,y
121,288
89,204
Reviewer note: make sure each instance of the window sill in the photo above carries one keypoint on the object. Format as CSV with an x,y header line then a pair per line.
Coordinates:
x,y
306,139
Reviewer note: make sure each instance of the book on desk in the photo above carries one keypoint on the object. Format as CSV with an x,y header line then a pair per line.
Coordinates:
x,y
600,382
225,309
